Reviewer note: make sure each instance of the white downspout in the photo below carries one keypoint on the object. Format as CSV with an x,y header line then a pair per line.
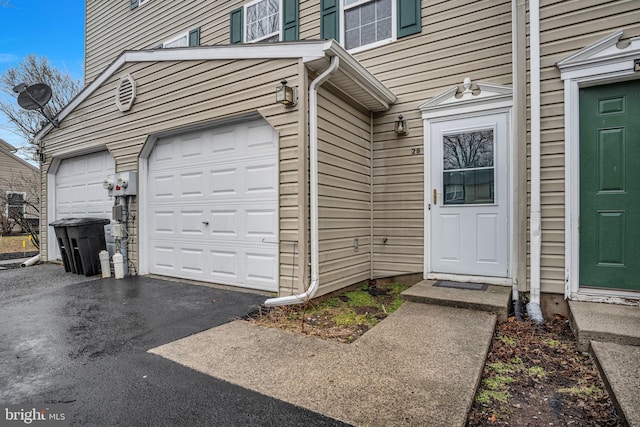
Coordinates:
x,y
313,191
533,308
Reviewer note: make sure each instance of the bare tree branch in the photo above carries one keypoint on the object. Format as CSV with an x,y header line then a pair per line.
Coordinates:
x,y
31,70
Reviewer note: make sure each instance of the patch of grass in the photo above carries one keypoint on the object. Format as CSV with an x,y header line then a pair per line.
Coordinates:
x,y
352,319
582,391
488,396
397,288
502,368
552,343
507,340
395,304
360,298
12,244
328,303
498,382
537,371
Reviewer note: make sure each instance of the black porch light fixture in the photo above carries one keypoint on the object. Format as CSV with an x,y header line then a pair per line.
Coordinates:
x,y
285,95
400,126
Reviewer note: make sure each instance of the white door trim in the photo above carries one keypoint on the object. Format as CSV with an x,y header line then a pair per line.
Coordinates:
x,y
600,63
472,100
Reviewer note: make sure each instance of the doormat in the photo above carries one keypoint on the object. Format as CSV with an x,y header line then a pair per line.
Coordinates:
x,y
460,285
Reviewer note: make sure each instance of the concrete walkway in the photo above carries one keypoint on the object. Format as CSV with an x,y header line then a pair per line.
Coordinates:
x,y
420,366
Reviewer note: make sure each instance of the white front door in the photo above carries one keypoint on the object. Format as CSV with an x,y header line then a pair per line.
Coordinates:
x,y
469,196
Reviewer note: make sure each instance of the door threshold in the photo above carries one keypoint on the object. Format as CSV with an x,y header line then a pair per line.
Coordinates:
x,y
500,281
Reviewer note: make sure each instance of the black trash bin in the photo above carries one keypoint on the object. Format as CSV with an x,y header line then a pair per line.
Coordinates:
x,y
60,228
86,239
80,241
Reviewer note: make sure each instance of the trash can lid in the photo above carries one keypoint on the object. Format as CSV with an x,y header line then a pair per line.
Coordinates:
x,y
72,222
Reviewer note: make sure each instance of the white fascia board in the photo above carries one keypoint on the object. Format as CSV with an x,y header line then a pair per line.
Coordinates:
x,y
360,75
307,50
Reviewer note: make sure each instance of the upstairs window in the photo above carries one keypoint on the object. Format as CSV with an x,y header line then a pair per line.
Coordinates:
x,y
188,38
262,21
363,24
367,22
265,21
136,3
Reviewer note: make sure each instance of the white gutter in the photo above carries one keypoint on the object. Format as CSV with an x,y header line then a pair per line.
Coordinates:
x,y
535,218
313,191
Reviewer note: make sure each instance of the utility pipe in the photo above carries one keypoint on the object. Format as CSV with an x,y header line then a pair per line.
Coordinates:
x,y
313,191
31,261
535,217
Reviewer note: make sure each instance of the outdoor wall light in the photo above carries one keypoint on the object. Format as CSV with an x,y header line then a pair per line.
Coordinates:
x,y
401,126
286,95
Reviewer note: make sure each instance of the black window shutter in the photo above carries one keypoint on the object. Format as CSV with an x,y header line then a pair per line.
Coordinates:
x,y
194,37
329,19
134,4
237,26
409,17
290,20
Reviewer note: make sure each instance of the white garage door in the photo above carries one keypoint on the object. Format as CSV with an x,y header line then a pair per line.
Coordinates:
x,y
79,191
213,206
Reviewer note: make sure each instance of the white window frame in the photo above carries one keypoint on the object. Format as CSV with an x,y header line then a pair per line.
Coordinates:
x,y
142,2
177,37
343,35
245,23
24,204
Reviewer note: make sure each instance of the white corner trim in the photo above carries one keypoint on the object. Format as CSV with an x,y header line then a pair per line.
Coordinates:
x,y
599,63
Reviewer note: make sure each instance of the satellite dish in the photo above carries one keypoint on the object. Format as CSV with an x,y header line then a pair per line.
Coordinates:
x,y
34,97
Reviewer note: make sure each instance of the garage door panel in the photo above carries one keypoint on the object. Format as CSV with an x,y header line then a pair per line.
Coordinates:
x,y
261,223
191,222
221,188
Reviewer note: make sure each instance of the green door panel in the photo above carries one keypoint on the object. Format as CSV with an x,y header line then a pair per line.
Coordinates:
x,y
610,186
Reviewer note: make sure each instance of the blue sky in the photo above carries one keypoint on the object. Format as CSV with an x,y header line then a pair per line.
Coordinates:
x,y
45,28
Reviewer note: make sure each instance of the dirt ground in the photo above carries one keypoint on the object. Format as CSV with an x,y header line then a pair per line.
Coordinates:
x,y
533,376
10,244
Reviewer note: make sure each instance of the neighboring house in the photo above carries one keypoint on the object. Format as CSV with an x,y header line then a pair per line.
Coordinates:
x,y
499,157
19,188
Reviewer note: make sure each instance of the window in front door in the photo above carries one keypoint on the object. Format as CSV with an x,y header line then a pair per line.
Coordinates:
x,y
468,167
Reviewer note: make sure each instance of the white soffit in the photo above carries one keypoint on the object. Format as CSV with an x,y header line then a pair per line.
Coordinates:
x,y
359,83
602,55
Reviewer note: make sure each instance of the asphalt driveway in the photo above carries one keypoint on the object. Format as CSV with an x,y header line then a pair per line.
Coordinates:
x,y
66,339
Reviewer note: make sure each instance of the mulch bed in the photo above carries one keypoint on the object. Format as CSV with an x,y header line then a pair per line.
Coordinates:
x,y
534,376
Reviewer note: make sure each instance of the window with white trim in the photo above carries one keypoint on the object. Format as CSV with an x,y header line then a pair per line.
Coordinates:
x,y
367,22
16,204
181,40
262,20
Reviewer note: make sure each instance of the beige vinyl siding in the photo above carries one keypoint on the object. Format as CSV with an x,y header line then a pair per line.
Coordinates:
x,y
566,27
17,176
459,39
109,26
176,95
344,189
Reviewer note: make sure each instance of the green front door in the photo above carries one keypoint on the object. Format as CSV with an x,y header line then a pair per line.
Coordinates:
x,y
610,186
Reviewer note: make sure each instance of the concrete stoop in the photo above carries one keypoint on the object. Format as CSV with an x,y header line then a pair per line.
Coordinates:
x,y
495,299
612,334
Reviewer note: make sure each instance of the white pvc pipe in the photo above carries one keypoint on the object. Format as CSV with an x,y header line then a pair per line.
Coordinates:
x,y
313,191
31,261
535,217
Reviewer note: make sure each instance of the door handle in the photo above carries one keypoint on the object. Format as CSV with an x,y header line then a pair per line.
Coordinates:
x,y
205,222
435,196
